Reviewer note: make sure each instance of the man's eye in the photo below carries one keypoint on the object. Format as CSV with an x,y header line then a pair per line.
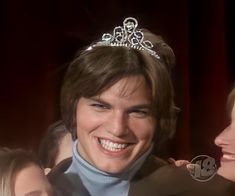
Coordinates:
x,y
98,106
139,113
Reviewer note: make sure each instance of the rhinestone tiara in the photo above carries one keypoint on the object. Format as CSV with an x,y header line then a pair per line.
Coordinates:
x,y
127,36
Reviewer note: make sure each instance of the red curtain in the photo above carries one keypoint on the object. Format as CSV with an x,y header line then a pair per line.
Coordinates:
x,y
39,37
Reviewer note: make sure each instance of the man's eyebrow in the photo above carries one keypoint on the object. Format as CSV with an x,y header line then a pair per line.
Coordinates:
x,y
34,193
142,106
97,99
138,106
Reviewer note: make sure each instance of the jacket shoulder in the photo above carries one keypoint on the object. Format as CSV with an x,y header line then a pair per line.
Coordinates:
x,y
59,169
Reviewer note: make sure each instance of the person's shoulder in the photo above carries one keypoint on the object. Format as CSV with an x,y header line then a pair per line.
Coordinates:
x,y
64,182
158,176
57,172
221,185
155,166
169,175
180,182
59,180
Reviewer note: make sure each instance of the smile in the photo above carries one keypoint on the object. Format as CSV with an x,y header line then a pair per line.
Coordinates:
x,y
229,156
112,146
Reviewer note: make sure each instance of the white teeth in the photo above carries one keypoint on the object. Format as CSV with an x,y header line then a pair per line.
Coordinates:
x,y
111,146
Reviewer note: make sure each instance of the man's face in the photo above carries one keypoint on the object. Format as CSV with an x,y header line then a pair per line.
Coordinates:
x,y
116,127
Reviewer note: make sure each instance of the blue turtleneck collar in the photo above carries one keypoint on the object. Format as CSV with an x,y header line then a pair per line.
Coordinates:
x,y
100,183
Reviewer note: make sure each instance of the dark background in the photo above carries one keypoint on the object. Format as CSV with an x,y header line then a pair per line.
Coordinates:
x,y
38,38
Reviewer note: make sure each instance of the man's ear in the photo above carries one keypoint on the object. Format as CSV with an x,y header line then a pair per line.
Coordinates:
x,y
47,170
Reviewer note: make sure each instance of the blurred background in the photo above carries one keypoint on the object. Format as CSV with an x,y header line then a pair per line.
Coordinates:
x,y
38,38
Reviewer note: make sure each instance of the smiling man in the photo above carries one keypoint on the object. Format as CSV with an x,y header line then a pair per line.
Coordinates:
x,y
120,126
117,98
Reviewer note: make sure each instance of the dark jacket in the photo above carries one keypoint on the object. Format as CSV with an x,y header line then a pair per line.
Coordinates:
x,y
158,178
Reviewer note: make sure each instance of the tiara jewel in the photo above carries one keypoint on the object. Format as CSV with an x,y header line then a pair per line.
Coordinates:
x,y
127,36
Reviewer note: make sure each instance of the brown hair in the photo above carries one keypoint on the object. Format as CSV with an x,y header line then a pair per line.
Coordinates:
x,y
230,101
49,146
93,71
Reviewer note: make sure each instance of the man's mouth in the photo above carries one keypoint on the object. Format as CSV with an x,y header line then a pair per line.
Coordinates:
x,y
112,146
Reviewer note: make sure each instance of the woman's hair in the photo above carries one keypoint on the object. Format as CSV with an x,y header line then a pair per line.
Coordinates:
x,y
11,162
230,101
49,146
94,71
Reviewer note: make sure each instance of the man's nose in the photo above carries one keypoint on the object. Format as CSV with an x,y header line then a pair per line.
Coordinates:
x,y
118,124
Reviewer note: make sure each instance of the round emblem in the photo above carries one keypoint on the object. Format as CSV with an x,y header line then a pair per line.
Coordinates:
x,y
203,168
